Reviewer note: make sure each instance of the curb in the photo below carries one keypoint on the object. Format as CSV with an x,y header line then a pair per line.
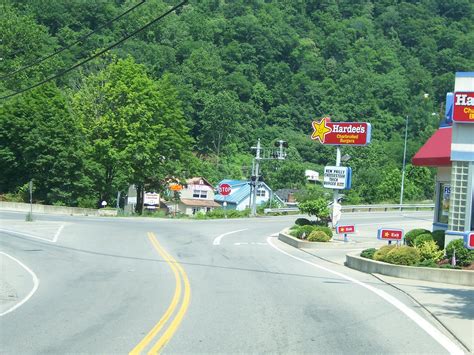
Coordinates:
x,y
455,277
301,244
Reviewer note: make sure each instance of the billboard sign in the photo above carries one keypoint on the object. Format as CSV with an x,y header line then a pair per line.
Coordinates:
x,y
463,107
151,199
390,234
341,133
337,177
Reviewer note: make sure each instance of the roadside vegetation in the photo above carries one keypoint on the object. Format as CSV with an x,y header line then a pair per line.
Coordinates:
x,y
426,249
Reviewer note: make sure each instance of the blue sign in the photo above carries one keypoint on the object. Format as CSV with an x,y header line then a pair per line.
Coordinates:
x,y
448,114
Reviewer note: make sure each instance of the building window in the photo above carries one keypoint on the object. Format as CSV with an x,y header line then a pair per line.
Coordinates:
x,y
261,193
458,197
444,197
199,194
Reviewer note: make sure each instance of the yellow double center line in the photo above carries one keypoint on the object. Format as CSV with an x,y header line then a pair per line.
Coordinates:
x,y
180,277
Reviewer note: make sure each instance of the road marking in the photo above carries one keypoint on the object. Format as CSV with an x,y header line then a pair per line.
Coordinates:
x,y
218,239
169,332
442,339
54,240
33,290
250,243
56,236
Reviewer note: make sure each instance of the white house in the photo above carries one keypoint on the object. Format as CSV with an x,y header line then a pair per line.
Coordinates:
x,y
196,196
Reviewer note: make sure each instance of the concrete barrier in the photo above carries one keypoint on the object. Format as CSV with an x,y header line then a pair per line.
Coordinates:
x,y
48,209
455,277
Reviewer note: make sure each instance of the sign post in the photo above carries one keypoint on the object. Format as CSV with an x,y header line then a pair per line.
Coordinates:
x,y
345,230
225,190
390,235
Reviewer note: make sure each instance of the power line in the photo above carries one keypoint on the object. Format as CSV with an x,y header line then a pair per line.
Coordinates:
x,y
81,39
61,73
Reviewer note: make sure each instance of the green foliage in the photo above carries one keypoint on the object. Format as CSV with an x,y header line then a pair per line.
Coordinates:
x,y
403,255
411,235
464,256
381,254
439,237
302,222
429,250
324,229
302,232
318,236
318,208
422,238
368,253
427,263
221,213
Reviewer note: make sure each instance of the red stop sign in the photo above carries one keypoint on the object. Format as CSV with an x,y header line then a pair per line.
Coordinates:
x,y
224,189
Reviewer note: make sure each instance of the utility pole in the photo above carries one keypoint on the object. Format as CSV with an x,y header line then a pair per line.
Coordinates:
x,y
255,183
404,161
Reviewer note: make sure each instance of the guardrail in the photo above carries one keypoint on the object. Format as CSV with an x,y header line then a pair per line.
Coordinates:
x,y
363,208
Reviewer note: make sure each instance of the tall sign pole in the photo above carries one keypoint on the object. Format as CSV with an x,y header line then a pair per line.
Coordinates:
x,y
257,166
404,163
30,185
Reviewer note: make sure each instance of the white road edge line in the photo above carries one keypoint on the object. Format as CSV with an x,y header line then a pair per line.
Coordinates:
x,y
442,339
35,285
26,235
218,239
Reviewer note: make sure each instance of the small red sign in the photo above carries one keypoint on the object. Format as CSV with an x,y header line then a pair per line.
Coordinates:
x,y
469,240
463,107
390,234
341,133
224,189
345,229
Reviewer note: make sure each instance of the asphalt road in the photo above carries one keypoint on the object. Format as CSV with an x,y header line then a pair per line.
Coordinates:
x,y
218,286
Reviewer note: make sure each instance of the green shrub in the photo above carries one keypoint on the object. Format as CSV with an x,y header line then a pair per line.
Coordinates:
x,y
429,251
427,263
368,253
326,230
438,237
318,236
403,255
464,256
380,254
302,231
411,235
200,215
449,266
302,222
295,226
422,238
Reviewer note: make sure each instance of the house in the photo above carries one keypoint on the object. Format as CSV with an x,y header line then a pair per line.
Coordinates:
x,y
196,196
287,196
239,198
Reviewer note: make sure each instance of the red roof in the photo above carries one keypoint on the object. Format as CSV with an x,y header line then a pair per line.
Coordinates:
x,y
436,151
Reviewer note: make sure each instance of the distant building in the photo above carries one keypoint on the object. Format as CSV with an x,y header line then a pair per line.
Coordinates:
x,y
311,175
287,196
196,196
239,198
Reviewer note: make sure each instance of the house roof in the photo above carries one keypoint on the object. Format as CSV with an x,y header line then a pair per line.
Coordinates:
x,y
199,203
196,181
436,151
241,190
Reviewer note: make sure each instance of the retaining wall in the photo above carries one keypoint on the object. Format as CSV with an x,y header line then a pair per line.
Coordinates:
x,y
455,277
48,209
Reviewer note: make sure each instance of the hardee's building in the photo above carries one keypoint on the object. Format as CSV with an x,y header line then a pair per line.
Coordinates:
x,y
451,151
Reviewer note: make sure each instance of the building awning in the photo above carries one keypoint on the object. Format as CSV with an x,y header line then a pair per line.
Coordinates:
x,y
436,151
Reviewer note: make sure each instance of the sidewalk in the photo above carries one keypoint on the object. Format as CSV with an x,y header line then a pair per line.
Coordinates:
x,y
452,305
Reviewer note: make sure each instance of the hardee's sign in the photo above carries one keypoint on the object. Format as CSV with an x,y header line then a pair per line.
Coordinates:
x,y
463,107
341,133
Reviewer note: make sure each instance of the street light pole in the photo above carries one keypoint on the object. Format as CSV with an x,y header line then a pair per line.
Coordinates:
x,y
404,161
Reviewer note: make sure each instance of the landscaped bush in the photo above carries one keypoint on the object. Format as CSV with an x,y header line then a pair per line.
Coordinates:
x,y
411,235
303,222
380,254
422,238
438,237
368,253
326,230
302,232
464,256
427,263
318,236
403,255
429,251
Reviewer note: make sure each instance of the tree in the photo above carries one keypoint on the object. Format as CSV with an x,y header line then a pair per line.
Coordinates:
x,y
318,207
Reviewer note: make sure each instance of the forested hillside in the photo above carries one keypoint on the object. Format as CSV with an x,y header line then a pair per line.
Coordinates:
x,y
192,93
